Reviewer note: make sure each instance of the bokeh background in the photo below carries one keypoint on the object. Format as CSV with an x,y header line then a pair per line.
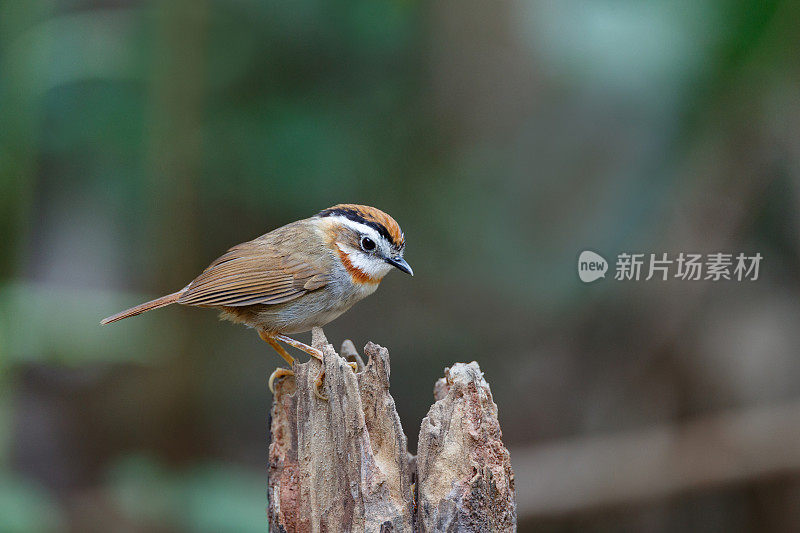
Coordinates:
x,y
139,140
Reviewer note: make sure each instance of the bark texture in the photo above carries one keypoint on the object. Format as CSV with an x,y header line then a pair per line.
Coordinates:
x,y
464,476
343,465
340,465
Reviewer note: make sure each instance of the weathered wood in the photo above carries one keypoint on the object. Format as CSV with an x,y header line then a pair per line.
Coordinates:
x,y
464,476
343,465
340,465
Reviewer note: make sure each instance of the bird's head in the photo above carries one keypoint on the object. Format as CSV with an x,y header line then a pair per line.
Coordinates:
x,y
368,241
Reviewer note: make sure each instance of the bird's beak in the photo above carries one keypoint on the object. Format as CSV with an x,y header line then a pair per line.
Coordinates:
x,y
400,263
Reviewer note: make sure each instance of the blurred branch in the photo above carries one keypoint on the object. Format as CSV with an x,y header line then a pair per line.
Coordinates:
x,y
630,467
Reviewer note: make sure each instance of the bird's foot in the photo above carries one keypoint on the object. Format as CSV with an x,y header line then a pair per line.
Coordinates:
x,y
273,339
319,383
313,352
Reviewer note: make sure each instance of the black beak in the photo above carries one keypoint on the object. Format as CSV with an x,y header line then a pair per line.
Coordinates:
x,y
400,263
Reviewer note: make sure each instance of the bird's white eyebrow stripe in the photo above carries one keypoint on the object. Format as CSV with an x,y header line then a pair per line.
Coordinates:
x,y
359,227
354,213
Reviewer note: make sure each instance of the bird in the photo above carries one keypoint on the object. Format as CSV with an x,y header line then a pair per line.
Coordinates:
x,y
296,277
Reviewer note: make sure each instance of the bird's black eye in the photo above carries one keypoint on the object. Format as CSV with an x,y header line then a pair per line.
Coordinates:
x,y
367,244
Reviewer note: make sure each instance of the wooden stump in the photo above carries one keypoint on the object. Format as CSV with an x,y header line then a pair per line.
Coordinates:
x,y
343,465
464,476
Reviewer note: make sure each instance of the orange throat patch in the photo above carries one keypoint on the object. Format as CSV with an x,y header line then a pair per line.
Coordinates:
x,y
357,275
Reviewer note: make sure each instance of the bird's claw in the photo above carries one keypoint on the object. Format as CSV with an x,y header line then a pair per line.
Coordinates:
x,y
320,382
318,385
277,374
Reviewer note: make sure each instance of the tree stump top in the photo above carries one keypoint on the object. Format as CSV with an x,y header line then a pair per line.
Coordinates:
x,y
343,465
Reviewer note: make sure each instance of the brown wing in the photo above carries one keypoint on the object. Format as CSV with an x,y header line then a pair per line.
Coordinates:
x,y
267,270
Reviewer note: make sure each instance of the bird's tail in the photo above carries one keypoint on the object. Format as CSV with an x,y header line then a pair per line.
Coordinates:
x,y
147,306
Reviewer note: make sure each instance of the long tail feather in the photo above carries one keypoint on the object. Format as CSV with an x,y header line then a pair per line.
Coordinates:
x,y
141,308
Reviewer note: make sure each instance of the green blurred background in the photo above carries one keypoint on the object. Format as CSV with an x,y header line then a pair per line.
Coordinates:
x,y
139,140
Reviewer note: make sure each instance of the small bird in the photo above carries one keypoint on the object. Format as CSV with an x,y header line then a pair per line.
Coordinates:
x,y
296,277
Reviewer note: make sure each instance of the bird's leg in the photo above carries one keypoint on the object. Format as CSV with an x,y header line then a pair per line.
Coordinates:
x,y
314,352
279,372
270,339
